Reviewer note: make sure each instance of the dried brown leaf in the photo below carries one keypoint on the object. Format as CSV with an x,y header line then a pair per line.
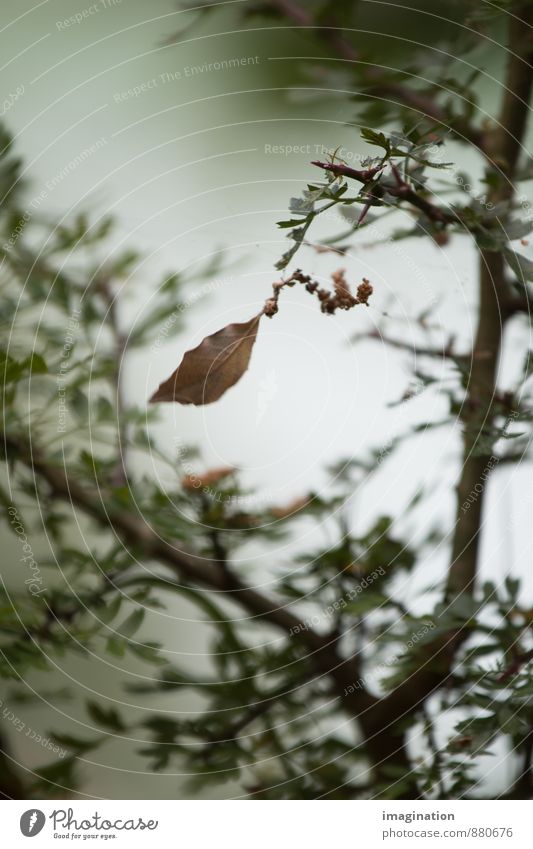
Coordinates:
x,y
208,370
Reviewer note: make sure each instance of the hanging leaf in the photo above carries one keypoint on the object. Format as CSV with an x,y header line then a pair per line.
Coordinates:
x,y
207,371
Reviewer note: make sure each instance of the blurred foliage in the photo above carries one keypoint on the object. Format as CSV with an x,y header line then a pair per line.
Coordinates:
x,y
270,717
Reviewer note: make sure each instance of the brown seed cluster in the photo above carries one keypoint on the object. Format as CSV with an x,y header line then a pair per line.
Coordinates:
x,y
341,298
364,290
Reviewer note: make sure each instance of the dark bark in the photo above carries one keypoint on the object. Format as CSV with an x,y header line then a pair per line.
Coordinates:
x,y
11,782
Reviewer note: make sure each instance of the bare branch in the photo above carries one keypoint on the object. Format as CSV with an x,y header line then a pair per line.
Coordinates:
x,y
446,352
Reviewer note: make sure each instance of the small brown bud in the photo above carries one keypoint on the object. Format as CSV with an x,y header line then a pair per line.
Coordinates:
x,y
208,478
343,297
441,238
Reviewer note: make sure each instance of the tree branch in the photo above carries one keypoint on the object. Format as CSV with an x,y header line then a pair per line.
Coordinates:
x,y
380,85
445,352
479,408
134,531
257,710
11,783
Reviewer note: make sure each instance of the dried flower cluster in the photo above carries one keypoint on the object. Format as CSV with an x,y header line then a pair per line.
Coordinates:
x,y
340,298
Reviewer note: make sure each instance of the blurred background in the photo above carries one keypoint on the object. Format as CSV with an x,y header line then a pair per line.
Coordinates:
x,y
193,133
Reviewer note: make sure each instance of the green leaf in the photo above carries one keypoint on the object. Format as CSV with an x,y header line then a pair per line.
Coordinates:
x,y
366,602
74,743
116,646
292,222
301,206
12,370
462,609
36,364
521,265
149,653
109,611
132,623
108,718
60,771
378,139
512,585
517,229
